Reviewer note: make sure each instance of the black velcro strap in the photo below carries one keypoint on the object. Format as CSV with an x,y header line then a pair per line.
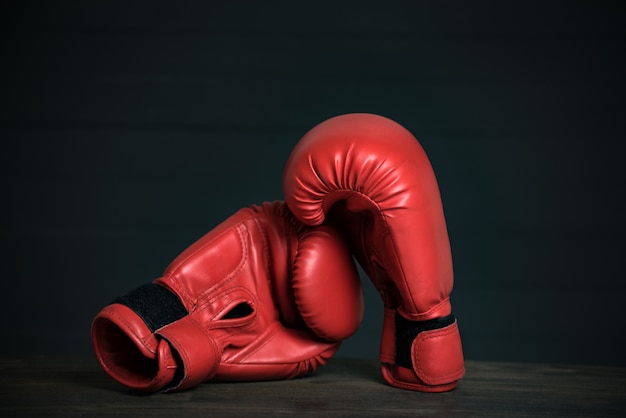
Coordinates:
x,y
155,304
407,330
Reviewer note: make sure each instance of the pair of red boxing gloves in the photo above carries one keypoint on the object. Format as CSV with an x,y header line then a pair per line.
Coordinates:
x,y
272,291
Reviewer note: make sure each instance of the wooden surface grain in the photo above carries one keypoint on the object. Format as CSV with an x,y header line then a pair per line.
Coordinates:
x,y
69,387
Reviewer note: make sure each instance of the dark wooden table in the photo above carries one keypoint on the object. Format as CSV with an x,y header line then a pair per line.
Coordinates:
x,y
69,387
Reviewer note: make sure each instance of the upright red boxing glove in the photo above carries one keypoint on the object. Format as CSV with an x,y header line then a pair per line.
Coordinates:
x,y
370,178
260,297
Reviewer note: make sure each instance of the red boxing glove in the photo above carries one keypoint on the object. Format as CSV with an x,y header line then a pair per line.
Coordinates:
x,y
370,178
260,297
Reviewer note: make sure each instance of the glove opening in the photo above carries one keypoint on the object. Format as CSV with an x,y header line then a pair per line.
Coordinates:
x,y
120,356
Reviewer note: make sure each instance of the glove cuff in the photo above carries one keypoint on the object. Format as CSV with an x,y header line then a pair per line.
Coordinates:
x,y
129,352
424,356
146,340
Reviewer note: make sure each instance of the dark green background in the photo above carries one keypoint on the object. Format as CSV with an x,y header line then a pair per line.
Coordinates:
x,y
130,128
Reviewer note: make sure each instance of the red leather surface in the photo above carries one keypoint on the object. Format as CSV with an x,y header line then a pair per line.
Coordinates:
x,y
261,257
379,167
369,177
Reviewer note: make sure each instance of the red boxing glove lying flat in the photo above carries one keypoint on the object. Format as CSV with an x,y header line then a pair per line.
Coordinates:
x,y
370,178
260,297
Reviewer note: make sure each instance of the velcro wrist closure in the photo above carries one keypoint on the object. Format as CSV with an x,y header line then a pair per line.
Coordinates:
x,y
407,331
166,316
437,356
156,305
432,349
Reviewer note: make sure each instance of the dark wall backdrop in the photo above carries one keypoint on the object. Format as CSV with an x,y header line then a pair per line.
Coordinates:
x,y
130,128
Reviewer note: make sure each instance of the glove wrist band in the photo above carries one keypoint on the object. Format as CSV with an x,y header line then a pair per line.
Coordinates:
x,y
421,355
155,305
407,331
166,317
